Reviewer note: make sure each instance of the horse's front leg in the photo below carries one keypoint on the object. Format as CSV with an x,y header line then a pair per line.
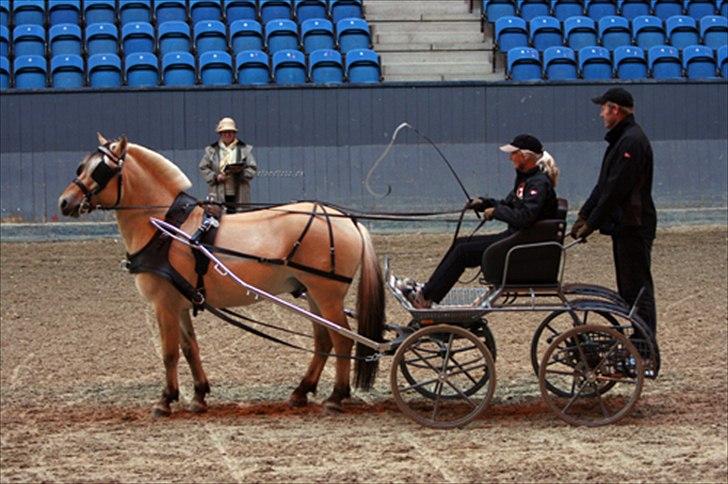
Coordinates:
x,y
168,321
192,354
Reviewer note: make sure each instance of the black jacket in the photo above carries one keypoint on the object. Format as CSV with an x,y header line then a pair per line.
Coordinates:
x,y
622,199
532,199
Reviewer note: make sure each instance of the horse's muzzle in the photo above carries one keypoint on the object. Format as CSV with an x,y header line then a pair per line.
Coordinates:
x,y
68,206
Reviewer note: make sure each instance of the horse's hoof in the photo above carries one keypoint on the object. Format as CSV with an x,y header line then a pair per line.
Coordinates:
x,y
333,407
197,407
160,410
297,401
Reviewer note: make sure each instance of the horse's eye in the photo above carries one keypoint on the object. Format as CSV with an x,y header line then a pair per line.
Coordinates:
x,y
79,170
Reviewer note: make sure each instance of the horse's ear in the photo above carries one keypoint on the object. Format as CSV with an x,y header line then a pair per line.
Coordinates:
x,y
102,139
120,147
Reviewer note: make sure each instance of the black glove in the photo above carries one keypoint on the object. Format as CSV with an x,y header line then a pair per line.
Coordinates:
x,y
584,231
580,222
479,204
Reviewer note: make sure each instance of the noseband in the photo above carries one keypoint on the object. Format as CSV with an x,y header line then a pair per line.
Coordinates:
x,y
102,175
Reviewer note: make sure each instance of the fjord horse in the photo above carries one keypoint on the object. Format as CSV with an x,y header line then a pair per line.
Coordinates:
x,y
141,183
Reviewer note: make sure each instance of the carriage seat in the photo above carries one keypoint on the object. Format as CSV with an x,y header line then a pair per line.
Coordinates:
x,y
529,266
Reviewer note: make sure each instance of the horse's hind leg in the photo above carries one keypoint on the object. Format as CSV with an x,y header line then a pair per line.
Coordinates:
x,y
167,319
322,346
192,354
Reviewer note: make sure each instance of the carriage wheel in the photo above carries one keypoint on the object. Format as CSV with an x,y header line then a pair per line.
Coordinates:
x,y
556,324
443,362
584,359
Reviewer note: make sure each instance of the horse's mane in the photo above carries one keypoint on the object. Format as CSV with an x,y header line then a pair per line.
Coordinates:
x,y
160,167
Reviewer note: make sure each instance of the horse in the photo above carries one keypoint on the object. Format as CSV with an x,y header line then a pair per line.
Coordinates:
x,y
139,183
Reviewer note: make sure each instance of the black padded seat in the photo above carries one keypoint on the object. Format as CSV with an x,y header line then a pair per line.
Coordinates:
x,y
529,266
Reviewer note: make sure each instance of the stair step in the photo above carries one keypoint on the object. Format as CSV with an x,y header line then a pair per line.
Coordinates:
x,y
475,57
439,68
422,47
428,37
415,8
425,26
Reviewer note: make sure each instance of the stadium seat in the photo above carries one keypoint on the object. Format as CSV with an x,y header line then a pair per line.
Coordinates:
x,y
30,72
723,9
635,8
353,33
559,63
289,67
545,33
510,32
722,57
4,41
682,31
178,69
174,36
564,9
4,73
495,9
64,12
65,39
104,70
141,70
596,9
523,64
137,37
99,12
281,34
530,9
698,9
308,9
363,66
714,31
102,38
216,68
325,67
246,35
665,9
205,11
630,63
29,39
28,12
170,11
135,11
210,36
595,63
67,72
240,10
341,9
664,62
614,31
580,32
647,31
698,62
275,9
318,33
5,13
253,67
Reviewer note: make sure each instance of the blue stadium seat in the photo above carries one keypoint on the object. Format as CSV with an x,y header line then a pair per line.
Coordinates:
x,y
178,69
580,32
210,36
530,9
308,9
665,9
698,62
246,35
559,63
597,9
141,70
28,12
102,38
545,33
595,63
275,9
281,34
630,63
174,36
341,9
363,66
664,62
64,12
564,9
240,10
722,58
65,39
4,73
682,31
216,68
523,64
99,12
205,11
614,31
723,9
170,11
325,67
714,30
4,41
137,37
698,9
353,33
648,31
634,8
318,33
495,9
289,67
253,67
5,13
135,11
29,39
104,70
67,72
30,72
511,32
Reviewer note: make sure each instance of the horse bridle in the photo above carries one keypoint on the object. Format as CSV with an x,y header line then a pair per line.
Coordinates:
x,y
103,173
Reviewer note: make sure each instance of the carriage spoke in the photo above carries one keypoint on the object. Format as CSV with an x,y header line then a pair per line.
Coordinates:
x,y
418,385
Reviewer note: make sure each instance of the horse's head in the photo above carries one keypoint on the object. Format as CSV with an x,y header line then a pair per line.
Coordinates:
x,y
98,179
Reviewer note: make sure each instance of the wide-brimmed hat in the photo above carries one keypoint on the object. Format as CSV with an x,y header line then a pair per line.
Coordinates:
x,y
226,124
523,142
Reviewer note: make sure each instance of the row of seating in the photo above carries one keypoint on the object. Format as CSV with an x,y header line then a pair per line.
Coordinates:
x,y
492,10
180,69
627,63
40,12
612,31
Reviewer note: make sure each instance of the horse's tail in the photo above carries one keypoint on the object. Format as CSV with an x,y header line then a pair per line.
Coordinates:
x,y
370,311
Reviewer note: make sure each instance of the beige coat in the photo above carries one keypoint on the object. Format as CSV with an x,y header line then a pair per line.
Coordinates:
x,y
210,167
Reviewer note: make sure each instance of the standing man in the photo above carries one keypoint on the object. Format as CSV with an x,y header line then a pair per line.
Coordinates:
x,y
227,166
621,203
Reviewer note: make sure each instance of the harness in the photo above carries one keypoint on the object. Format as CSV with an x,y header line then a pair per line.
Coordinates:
x,y
102,175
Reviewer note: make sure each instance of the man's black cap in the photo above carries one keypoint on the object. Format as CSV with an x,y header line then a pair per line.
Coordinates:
x,y
616,95
523,142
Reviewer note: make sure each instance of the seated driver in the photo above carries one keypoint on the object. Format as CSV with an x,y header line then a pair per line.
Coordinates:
x,y
532,199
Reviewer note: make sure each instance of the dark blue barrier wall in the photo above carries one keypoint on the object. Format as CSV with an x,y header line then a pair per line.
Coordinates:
x,y
319,143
